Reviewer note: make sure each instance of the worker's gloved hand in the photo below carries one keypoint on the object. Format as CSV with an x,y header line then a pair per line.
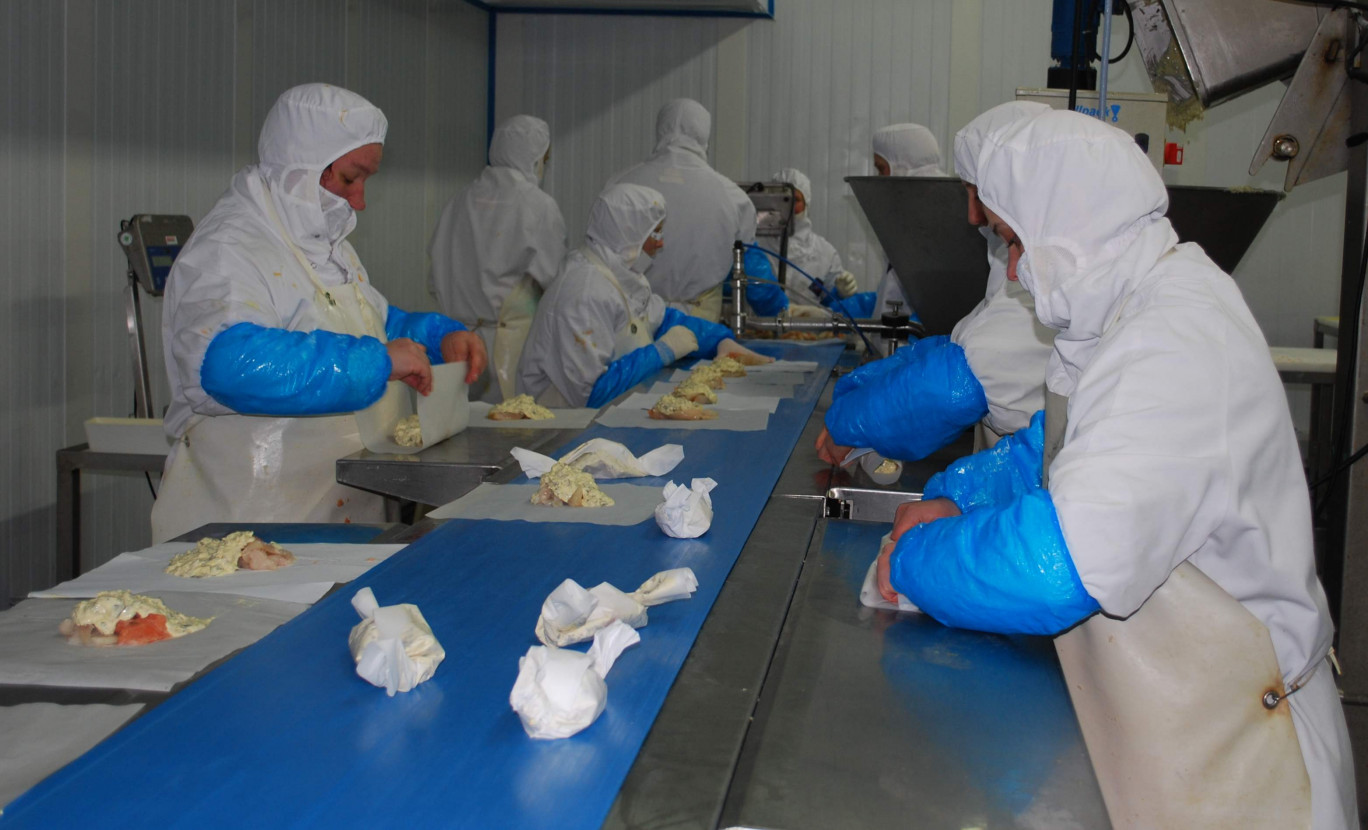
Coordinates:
x,y
829,451
679,341
409,363
914,513
469,347
741,354
846,284
805,312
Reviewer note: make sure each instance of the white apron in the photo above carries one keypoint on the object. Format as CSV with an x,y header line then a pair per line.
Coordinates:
x,y
1182,705
263,468
632,336
707,305
504,340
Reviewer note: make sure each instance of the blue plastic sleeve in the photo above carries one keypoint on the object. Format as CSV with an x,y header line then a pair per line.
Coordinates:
x,y
766,298
267,371
918,406
996,475
425,328
627,371
859,306
708,333
1002,569
876,369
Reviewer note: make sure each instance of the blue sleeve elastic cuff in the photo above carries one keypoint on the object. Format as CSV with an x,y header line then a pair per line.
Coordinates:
x,y
625,372
1002,569
420,327
708,333
858,306
918,405
876,369
267,371
995,475
766,298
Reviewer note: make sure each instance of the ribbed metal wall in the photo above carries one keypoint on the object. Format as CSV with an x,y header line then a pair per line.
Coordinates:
x,y
116,107
31,346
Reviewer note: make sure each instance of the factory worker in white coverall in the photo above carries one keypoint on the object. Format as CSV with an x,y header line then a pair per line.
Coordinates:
x,y
1155,516
708,214
600,330
899,150
988,374
270,316
498,246
808,250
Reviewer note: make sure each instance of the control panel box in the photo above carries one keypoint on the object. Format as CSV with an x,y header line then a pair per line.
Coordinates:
x,y
1142,114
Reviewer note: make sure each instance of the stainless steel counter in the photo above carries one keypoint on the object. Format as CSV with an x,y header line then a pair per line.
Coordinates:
x,y
800,708
448,470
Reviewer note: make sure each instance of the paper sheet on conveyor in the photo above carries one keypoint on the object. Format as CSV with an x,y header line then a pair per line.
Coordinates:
x,y
754,379
725,400
776,366
634,504
41,738
316,568
32,652
739,420
565,419
755,390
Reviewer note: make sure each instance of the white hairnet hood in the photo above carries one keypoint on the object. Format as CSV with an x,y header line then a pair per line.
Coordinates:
x,y
621,218
1089,209
969,140
909,149
683,123
309,128
521,143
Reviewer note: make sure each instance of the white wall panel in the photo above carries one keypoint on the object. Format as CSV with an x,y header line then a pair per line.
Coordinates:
x,y
31,346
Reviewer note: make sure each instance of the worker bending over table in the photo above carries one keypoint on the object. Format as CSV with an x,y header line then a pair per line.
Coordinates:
x,y
600,330
275,335
988,374
1155,516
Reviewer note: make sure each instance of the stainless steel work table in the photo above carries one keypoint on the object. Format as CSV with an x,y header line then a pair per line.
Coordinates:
x,y
445,471
800,708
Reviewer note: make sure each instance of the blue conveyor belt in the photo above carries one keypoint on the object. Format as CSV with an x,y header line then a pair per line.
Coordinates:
x,y
286,734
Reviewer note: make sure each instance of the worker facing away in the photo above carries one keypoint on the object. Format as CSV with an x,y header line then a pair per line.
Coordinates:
x,y
601,330
497,247
270,317
1155,515
708,214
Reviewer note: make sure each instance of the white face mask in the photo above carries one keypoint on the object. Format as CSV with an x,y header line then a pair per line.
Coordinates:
x,y
640,262
337,213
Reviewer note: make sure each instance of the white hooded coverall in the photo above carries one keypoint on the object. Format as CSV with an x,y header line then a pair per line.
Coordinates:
x,y
910,150
806,249
599,308
1006,346
498,246
1179,446
270,252
708,212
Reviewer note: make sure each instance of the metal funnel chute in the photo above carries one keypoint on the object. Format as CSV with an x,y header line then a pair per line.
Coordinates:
x,y
922,224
